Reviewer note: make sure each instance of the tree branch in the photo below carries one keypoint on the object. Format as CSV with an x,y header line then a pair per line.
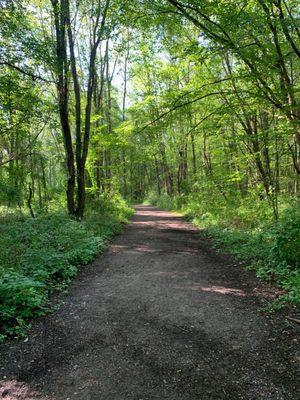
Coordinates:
x,y
28,73
178,106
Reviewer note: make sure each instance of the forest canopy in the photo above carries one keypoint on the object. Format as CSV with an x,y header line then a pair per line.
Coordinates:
x,y
191,105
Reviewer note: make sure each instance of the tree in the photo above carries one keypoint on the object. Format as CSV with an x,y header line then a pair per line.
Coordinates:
x,y
63,29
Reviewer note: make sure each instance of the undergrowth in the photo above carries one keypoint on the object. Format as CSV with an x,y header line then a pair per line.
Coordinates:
x,y
245,228
41,255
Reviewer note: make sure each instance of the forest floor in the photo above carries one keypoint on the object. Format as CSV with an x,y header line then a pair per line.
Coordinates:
x,y
159,315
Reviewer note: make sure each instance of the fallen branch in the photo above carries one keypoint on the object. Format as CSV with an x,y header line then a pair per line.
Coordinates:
x,y
293,320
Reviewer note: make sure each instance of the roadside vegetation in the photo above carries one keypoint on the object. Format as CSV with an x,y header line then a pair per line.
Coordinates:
x,y
39,256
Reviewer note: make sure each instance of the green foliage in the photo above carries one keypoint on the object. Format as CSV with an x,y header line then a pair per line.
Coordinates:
x,y
286,249
40,255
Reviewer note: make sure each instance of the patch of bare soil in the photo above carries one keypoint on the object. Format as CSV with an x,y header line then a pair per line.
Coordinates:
x,y
159,315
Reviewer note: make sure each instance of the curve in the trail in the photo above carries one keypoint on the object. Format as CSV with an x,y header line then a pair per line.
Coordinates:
x,y
159,315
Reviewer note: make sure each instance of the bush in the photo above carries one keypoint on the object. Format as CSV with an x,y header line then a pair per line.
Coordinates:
x,y
40,255
286,249
166,202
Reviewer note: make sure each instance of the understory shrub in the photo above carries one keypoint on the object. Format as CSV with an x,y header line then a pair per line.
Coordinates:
x,y
41,255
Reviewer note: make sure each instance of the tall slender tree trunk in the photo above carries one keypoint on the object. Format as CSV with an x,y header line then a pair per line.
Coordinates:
x,y
63,95
124,171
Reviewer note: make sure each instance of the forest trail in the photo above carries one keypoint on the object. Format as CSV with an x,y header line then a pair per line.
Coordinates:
x,y
159,315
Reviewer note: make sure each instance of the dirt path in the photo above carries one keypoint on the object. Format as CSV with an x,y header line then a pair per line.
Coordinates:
x,y
159,316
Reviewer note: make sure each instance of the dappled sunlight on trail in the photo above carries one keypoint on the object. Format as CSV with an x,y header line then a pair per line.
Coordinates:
x,y
15,390
214,289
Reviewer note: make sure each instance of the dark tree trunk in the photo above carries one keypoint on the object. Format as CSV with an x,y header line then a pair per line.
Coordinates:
x,y
29,201
63,91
